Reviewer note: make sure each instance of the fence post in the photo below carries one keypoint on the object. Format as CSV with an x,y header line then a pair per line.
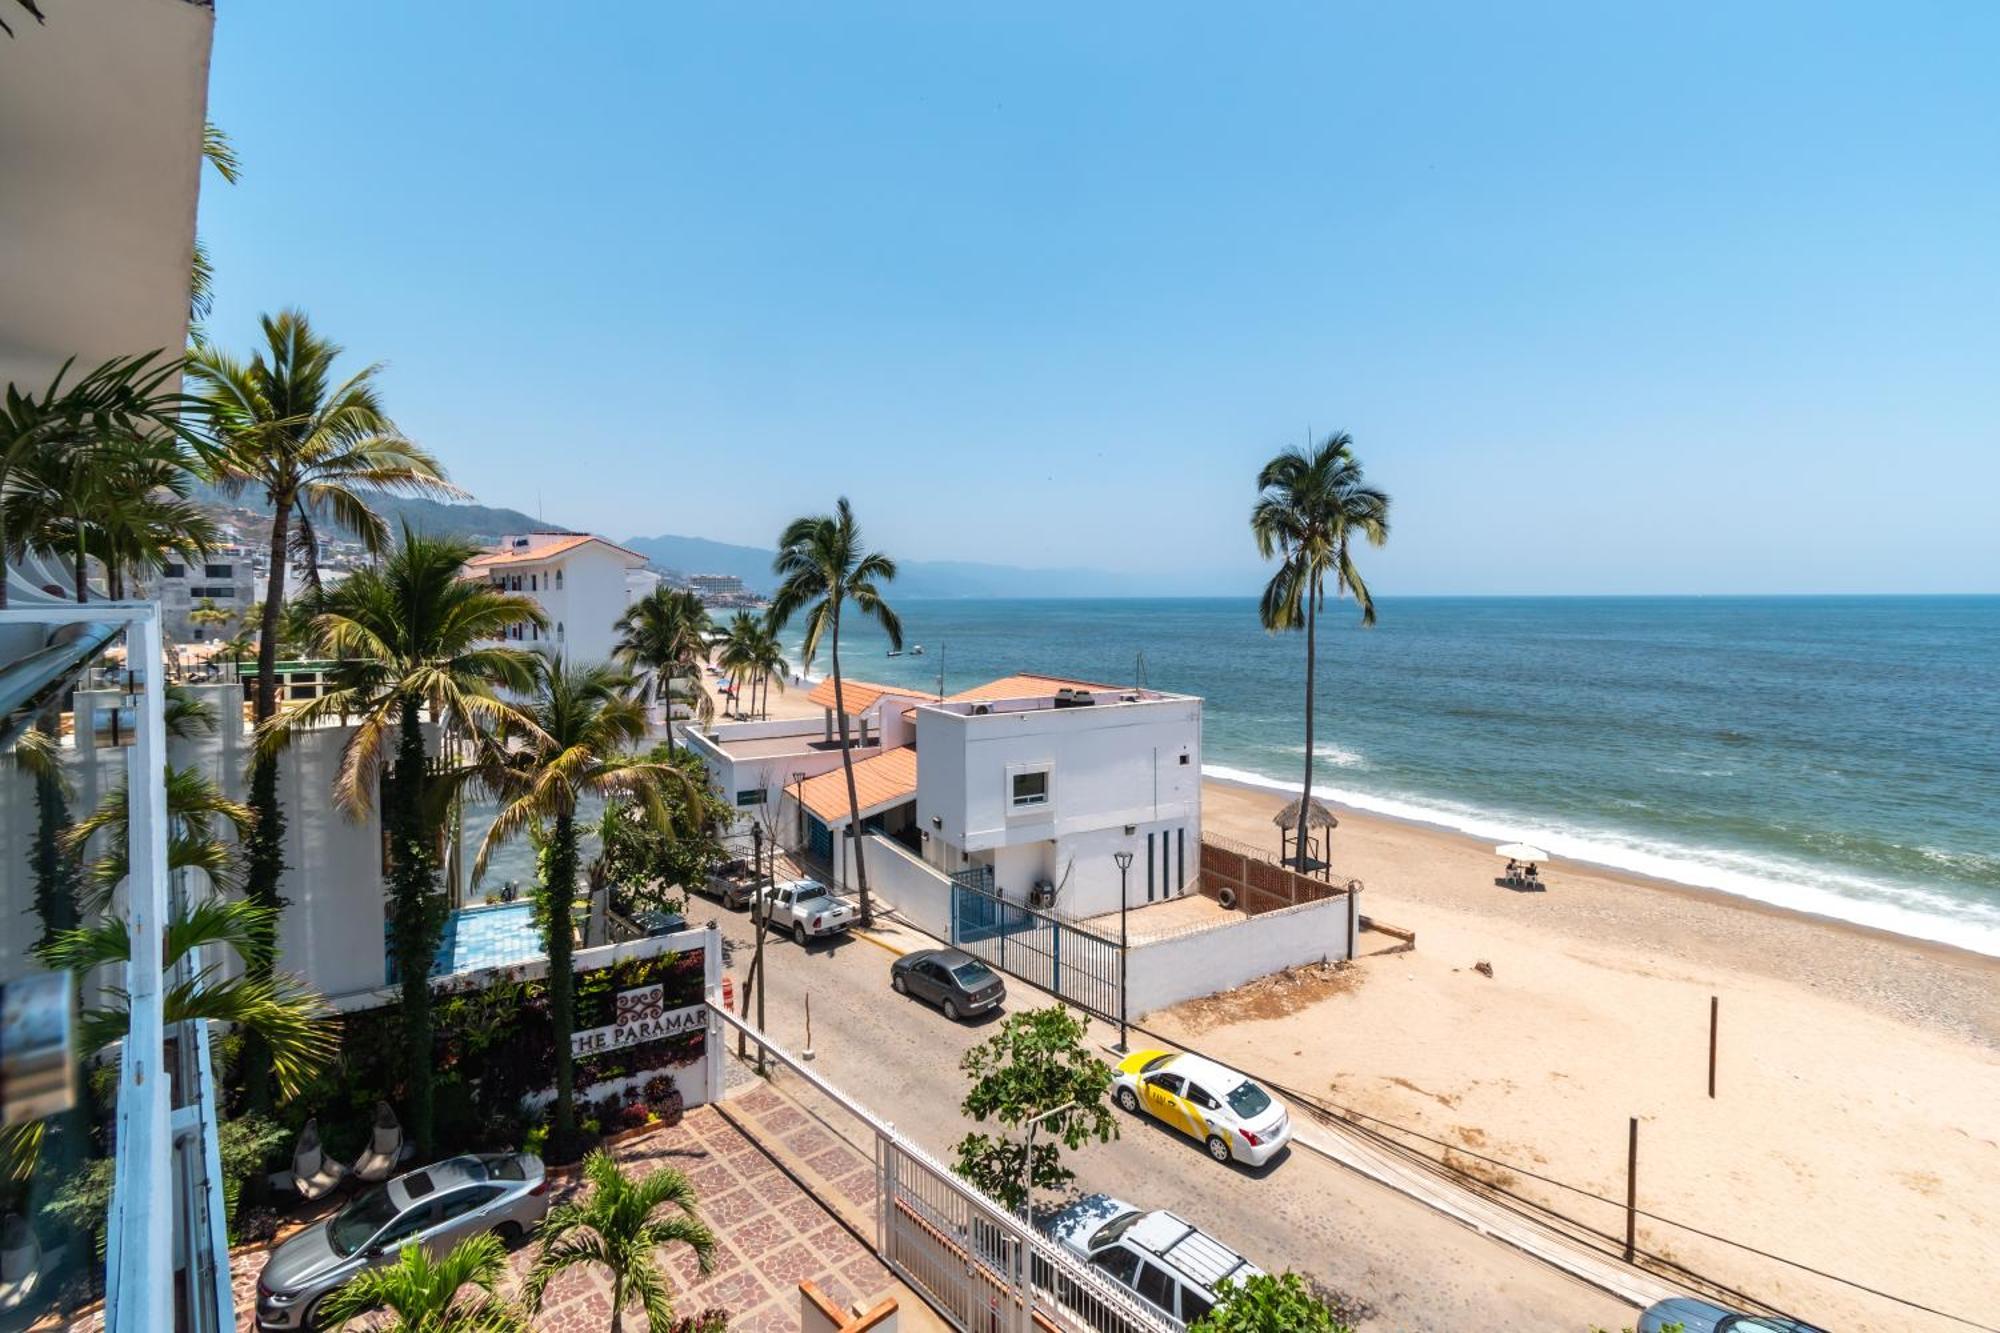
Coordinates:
x,y
1353,924
1714,1017
1631,1189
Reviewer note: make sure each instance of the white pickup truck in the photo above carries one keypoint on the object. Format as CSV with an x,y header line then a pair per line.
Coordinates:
x,y
807,908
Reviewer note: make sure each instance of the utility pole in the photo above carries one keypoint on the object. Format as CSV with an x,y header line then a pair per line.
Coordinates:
x,y
1124,860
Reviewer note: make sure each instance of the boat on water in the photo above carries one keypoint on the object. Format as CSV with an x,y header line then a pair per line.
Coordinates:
x,y
917,651
895,652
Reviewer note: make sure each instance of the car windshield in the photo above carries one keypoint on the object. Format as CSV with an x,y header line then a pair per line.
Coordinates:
x,y
354,1225
972,973
1115,1228
1155,1063
809,891
1248,1100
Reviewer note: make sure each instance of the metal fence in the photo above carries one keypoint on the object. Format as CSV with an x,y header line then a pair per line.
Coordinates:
x,y
980,1267
1069,961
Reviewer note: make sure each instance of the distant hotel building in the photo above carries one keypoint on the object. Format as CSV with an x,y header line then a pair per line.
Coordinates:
x,y
721,590
580,582
228,579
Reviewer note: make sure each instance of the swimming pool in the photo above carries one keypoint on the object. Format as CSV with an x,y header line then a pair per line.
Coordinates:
x,y
499,935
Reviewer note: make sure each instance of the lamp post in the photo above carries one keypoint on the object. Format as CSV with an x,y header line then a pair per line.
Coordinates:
x,y
1028,1159
1124,860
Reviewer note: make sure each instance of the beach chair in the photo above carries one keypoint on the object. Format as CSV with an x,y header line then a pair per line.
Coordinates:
x,y
386,1147
314,1174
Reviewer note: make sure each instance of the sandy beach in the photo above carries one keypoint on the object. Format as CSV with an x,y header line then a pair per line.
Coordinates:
x,y
1858,1103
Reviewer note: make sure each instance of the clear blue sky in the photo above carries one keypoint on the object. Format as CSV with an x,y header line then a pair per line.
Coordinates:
x,y
1613,298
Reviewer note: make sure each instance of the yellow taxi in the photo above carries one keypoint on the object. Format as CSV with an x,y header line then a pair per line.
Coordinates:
x,y
1230,1114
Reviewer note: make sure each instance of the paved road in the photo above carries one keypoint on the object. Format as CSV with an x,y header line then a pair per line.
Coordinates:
x,y
1413,1268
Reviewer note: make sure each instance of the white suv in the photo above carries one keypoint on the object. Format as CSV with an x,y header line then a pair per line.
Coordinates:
x,y
1171,1264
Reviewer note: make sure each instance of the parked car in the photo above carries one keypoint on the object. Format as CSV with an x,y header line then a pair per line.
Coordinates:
x,y
1234,1117
1168,1262
808,909
1699,1316
732,882
437,1206
955,982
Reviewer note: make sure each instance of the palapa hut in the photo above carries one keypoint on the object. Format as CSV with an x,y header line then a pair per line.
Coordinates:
x,y
1320,825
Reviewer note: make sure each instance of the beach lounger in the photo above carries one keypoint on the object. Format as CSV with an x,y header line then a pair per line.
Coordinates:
x,y
314,1174
386,1147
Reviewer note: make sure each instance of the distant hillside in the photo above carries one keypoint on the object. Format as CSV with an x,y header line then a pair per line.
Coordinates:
x,y
475,522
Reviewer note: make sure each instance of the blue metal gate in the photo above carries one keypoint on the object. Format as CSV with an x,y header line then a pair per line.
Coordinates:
x,y
1063,958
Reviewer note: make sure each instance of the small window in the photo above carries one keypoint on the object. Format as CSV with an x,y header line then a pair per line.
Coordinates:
x,y
559,631
755,796
221,571
559,579
1156,1286
1119,1262
465,1201
174,572
1194,1305
532,587
1031,789
1170,1084
1184,760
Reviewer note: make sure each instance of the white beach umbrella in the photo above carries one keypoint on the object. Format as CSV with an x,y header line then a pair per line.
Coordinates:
x,y
1520,851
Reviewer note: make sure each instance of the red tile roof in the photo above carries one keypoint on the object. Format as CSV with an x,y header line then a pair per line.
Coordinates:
x,y
501,559
887,779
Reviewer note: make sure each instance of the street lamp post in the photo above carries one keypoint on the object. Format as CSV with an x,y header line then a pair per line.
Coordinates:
x,y
1028,1160
1124,860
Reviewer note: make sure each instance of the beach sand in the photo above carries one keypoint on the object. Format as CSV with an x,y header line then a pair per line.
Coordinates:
x,y
1858,1102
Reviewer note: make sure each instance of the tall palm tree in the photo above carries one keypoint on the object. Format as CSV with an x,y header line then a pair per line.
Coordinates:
x,y
666,635
420,1295
282,423
574,744
823,566
621,1226
767,660
736,652
413,641
1311,504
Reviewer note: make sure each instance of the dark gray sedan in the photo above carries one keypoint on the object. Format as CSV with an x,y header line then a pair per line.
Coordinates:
x,y
955,982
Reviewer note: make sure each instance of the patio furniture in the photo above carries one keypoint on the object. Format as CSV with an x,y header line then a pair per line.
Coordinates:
x,y
386,1147
20,1263
314,1174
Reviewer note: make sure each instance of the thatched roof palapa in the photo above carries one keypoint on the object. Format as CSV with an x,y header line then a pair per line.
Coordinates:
x,y
1319,817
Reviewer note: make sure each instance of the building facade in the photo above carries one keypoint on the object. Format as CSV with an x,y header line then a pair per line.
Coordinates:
x,y
225,581
580,582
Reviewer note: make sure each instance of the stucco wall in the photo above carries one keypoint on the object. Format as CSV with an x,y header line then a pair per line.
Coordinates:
x,y
916,891
1183,967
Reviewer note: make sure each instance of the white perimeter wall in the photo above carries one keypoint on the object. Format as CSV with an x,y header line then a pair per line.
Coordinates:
x,y
1185,967
919,894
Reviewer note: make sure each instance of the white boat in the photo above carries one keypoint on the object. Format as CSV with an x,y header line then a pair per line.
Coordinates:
x,y
917,651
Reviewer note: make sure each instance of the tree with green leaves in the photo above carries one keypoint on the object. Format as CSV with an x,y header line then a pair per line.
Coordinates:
x,y
640,866
1268,1304
621,1226
281,423
1037,1063
663,638
413,641
1311,505
573,743
206,613
822,566
459,1293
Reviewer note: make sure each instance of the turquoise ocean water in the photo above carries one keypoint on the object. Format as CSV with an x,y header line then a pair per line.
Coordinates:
x,y
1836,755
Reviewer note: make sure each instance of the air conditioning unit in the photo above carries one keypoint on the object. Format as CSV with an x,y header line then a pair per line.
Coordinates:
x,y
981,710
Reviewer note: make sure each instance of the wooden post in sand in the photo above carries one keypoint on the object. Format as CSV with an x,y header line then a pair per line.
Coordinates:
x,y
1631,1189
1714,1014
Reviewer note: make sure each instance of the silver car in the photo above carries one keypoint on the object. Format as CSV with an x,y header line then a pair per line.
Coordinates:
x,y
436,1206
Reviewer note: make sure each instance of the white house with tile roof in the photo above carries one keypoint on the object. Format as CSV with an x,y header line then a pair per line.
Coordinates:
x,y
1036,780
579,580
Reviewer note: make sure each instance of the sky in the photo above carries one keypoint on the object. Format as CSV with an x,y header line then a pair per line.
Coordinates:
x,y
1612,299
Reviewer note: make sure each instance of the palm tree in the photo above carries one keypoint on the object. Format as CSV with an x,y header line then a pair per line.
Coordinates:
x,y
666,634
412,639
1311,503
573,744
422,1296
281,423
824,566
736,652
206,612
767,660
620,1227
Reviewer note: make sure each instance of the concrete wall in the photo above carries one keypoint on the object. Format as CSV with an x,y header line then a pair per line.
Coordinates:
x,y
1184,967
918,893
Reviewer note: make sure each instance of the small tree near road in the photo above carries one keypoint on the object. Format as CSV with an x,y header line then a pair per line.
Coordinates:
x,y
1267,1304
1034,1064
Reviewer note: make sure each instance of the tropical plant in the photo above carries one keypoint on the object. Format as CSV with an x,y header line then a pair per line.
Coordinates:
x,y
125,398
197,811
1311,504
57,879
823,566
736,653
665,635
220,153
767,664
641,865
574,744
1035,1064
419,1295
621,1226
1270,1304
412,641
312,445
206,612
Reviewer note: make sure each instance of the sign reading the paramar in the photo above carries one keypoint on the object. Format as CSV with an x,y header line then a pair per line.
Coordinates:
x,y
641,1018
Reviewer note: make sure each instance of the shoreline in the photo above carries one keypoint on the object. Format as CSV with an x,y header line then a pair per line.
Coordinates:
x,y
1704,893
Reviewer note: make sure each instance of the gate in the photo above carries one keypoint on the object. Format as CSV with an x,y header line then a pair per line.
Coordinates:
x,y
1063,958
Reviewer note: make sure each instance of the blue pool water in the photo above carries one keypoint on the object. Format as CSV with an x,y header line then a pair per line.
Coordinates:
x,y
477,937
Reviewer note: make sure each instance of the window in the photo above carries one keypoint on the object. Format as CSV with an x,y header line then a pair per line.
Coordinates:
x,y
1194,1305
1171,1084
559,635
1119,1262
174,571
1184,759
1248,1100
753,797
531,584
1031,789
558,580
464,1201
409,1224
1199,1096
1156,1286
221,571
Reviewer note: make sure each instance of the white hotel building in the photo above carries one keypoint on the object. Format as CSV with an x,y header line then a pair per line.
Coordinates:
x,y
581,582
1038,779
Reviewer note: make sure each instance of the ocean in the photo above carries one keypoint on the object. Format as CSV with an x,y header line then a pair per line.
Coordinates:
x,y
1837,755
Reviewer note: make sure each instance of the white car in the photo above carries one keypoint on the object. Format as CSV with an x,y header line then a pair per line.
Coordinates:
x,y
1170,1263
1232,1116
807,908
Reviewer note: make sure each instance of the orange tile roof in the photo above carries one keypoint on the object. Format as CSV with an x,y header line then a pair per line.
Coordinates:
x,y
497,559
859,695
1025,685
887,779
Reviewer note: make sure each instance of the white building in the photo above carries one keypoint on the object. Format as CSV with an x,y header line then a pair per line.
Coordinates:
x,y
580,582
227,579
1037,780
713,588
641,584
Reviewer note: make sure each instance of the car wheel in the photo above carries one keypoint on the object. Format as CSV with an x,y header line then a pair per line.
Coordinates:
x,y
950,1009
509,1234
310,1321
799,933
897,985
1218,1147
1129,1100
